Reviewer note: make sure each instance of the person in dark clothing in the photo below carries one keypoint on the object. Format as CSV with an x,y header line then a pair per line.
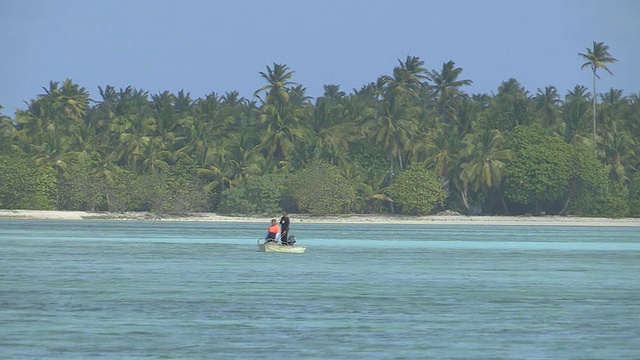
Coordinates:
x,y
284,226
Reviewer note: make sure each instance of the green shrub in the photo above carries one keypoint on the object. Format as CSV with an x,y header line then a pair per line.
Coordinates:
x,y
416,191
25,185
320,188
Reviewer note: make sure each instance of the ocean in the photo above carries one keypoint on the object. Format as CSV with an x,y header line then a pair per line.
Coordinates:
x,y
201,290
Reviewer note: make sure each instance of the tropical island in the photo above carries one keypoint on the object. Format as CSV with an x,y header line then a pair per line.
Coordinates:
x,y
410,143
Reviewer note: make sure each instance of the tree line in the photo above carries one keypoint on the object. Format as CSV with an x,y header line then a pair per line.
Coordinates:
x,y
411,142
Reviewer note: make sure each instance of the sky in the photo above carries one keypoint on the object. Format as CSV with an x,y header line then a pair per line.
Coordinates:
x,y
205,46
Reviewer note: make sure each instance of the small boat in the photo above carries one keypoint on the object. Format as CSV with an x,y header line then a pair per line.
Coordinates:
x,y
275,247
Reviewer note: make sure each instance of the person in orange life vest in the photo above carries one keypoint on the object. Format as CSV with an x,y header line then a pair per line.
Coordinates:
x,y
273,233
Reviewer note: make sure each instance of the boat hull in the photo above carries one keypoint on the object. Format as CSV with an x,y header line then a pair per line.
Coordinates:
x,y
273,247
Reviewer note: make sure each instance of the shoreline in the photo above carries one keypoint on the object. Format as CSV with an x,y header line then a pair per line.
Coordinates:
x,y
549,220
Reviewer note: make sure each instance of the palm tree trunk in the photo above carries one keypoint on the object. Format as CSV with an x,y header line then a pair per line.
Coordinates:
x,y
504,205
391,176
106,190
566,205
465,201
594,106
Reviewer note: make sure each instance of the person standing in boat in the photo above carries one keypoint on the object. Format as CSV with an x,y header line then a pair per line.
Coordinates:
x,y
284,223
273,233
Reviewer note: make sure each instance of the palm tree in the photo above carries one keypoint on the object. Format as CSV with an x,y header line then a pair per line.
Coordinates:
x,y
182,104
612,106
73,100
510,107
574,110
547,103
154,157
633,115
370,196
487,158
278,79
618,143
406,80
281,127
619,150
328,131
165,116
134,135
396,120
333,92
205,132
598,57
441,151
242,161
7,127
44,129
280,118
33,124
101,115
447,91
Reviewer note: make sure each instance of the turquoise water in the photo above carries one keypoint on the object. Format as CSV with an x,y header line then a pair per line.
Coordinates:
x,y
198,290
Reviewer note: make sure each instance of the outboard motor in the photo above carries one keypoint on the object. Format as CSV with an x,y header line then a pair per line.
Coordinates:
x,y
290,241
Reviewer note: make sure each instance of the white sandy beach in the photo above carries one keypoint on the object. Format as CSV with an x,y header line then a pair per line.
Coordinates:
x,y
373,219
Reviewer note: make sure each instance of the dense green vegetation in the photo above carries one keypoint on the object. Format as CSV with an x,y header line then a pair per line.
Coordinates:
x,y
412,142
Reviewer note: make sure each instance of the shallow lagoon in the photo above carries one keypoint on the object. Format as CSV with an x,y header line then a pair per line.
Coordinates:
x,y
145,289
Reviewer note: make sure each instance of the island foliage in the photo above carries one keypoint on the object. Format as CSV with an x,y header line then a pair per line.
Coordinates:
x,y
410,142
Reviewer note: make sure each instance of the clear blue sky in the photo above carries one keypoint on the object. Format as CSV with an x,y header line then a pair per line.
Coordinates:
x,y
206,46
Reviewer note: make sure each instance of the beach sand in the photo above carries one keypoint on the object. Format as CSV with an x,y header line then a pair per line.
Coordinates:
x,y
300,218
